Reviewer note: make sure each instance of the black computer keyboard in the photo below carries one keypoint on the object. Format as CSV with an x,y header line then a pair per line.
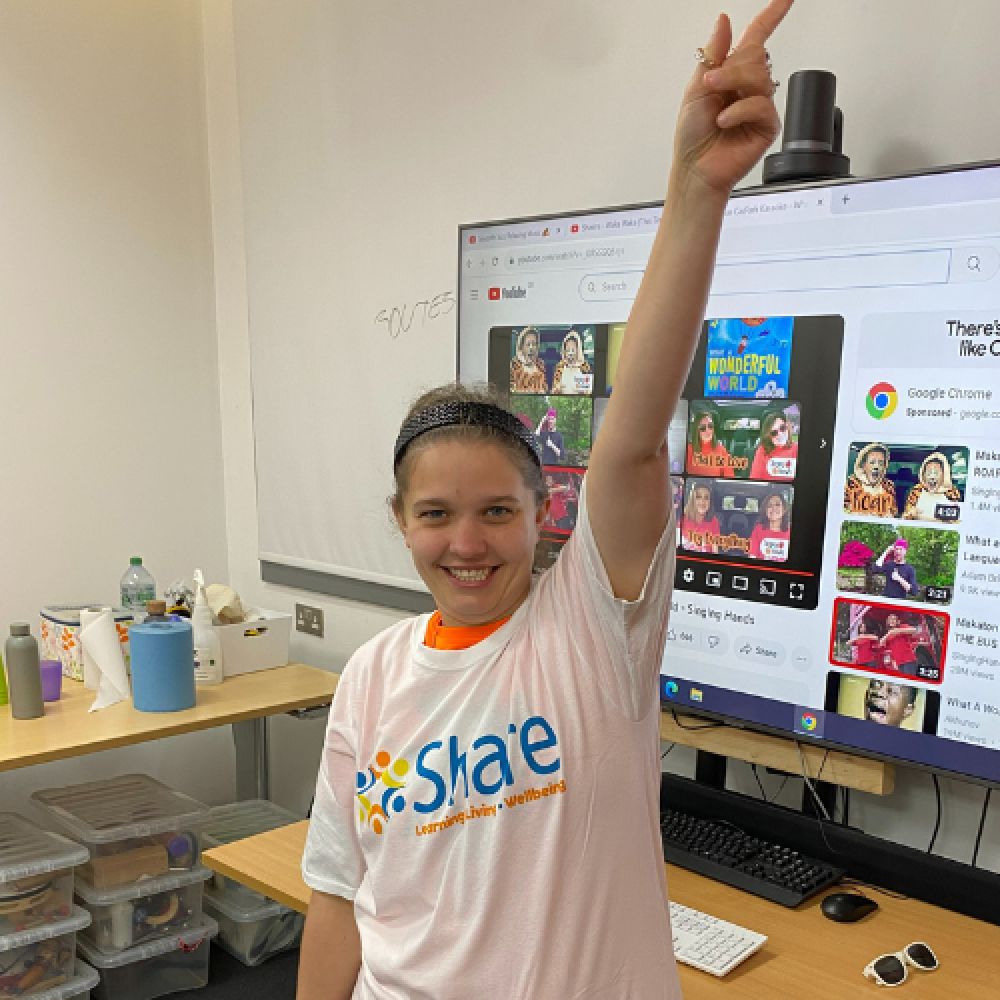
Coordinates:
x,y
729,855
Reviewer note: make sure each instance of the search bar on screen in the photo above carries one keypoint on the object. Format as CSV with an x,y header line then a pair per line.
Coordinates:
x,y
863,270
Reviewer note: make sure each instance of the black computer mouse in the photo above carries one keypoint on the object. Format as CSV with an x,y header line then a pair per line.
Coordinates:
x,y
846,907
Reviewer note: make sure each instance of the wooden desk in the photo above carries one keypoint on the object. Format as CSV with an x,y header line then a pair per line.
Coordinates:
x,y
805,955
69,729
270,862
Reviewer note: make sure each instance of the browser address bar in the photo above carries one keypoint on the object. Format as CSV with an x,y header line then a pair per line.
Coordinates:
x,y
866,270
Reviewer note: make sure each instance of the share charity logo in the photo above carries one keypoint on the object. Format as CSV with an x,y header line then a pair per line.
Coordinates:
x,y
479,779
374,803
808,722
881,401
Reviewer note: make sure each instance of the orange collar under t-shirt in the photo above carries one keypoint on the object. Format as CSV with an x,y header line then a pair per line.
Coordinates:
x,y
440,636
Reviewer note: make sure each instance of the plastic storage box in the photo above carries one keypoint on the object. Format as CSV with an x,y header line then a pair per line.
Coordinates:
x,y
134,827
256,645
236,821
254,931
36,875
150,908
153,969
77,987
59,632
41,958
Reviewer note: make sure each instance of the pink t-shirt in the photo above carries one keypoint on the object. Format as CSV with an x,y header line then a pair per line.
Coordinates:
x,y
494,812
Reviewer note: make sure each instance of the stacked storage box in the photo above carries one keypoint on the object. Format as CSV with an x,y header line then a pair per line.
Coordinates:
x,y
163,965
143,884
38,922
251,926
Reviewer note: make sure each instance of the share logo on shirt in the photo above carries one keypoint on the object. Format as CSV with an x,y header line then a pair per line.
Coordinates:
x,y
447,774
494,295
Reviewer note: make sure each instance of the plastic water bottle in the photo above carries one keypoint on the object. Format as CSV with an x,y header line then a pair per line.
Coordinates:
x,y
137,587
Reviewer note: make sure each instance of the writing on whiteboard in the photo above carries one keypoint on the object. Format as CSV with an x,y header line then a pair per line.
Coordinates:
x,y
401,319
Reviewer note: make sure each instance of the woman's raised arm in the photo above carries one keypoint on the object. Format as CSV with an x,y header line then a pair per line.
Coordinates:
x,y
726,122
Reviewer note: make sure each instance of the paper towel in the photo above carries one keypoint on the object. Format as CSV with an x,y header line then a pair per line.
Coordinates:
x,y
102,647
91,673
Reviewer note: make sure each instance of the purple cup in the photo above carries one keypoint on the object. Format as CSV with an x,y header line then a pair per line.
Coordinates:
x,y
51,679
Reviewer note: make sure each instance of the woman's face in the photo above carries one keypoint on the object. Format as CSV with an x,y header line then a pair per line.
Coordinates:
x,y
702,501
706,429
471,525
571,352
892,621
779,432
775,510
530,346
551,422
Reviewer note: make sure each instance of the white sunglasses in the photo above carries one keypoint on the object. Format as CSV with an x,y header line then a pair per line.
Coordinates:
x,y
890,970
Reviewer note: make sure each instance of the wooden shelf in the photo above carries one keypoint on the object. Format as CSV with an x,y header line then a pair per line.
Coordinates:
x,y
872,776
69,729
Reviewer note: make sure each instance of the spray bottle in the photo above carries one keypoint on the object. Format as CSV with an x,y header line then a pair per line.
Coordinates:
x,y
207,647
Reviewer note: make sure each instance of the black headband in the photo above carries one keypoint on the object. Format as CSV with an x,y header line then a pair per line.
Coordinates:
x,y
471,414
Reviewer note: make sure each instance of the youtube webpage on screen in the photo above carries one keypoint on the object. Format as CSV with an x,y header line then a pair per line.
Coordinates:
x,y
834,458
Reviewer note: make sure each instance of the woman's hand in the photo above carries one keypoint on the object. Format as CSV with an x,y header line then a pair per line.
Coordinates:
x,y
727,118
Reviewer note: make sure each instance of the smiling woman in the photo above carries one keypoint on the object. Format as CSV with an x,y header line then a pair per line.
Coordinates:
x,y
538,714
470,501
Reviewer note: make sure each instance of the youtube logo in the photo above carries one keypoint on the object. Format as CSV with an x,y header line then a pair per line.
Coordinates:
x,y
472,239
574,228
494,294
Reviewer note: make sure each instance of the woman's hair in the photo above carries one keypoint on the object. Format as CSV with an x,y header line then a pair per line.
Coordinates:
x,y
765,520
694,437
767,425
689,512
455,392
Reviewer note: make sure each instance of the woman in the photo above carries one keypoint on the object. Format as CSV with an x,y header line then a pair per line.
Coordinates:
x,y
865,646
527,370
559,494
769,538
776,454
699,524
705,455
487,810
567,378
900,644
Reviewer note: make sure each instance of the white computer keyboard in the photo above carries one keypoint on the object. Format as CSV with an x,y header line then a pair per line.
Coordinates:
x,y
708,943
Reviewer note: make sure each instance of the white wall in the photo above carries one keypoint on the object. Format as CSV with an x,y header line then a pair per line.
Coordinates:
x,y
110,444
906,107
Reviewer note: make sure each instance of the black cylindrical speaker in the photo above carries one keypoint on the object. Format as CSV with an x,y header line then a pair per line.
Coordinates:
x,y
810,144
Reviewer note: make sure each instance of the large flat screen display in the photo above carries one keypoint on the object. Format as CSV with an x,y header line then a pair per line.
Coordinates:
x,y
835,456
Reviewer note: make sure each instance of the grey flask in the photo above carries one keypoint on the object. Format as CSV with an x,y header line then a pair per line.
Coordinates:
x,y
24,674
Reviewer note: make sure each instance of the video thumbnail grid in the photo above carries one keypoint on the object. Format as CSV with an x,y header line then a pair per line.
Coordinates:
x,y
750,494
897,545
749,461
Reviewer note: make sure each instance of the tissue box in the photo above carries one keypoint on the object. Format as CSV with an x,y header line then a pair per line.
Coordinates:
x,y
257,645
60,635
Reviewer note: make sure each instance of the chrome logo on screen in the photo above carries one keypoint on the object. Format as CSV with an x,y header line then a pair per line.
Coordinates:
x,y
808,722
881,401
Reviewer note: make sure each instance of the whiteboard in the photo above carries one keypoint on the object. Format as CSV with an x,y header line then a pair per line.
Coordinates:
x,y
371,130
